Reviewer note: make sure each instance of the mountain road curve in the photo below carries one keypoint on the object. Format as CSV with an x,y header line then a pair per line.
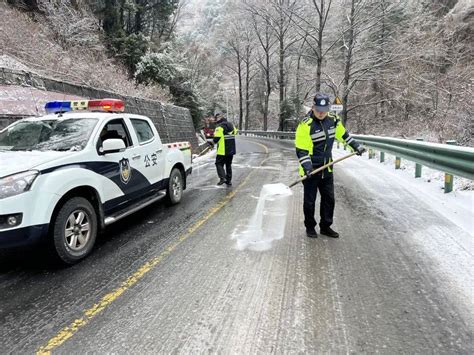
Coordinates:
x,y
171,280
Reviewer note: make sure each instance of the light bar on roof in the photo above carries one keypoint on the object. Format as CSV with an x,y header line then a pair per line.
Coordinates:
x,y
107,105
57,106
79,105
103,105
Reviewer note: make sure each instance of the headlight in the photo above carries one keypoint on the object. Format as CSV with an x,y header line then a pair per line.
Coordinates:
x,y
16,184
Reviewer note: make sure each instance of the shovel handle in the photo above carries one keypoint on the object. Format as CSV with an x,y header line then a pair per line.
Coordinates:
x,y
204,150
322,168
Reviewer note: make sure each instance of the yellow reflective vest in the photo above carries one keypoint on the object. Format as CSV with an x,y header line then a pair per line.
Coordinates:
x,y
314,139
224,136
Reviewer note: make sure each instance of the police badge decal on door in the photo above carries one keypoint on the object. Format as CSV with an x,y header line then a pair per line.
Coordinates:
x,y
125,170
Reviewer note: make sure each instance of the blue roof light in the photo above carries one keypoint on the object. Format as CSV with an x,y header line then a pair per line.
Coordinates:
x,y
104,105
57,106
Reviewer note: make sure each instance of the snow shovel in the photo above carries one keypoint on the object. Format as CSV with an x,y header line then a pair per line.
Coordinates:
x,y
268,221
321,168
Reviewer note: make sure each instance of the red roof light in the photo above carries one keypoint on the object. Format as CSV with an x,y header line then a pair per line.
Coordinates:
x,y
107,105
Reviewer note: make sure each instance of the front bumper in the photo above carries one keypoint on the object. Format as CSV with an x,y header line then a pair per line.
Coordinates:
x,y
23,236
33,210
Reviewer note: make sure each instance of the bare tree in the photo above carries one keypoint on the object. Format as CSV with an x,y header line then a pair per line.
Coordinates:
x,y
314,34
237,50
364,56
265,39
250,72
279,17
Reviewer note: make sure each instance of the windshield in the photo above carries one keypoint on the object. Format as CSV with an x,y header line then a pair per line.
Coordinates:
x,y
61,135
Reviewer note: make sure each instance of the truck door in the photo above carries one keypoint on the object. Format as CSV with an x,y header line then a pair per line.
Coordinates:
x,y
120,168
152,158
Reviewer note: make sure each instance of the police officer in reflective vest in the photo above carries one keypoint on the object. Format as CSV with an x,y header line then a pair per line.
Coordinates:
x,y
314,139
224,137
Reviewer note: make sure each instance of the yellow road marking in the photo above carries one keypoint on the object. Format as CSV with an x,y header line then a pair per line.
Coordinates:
x,y
92,312
261,145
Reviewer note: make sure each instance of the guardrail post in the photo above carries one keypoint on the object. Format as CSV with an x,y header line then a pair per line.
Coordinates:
x,y
398,162
448,178
382,157
418,166
371,153
337,144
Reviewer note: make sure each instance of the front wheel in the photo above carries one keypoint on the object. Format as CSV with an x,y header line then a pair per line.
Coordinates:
x,y
175,187
74,230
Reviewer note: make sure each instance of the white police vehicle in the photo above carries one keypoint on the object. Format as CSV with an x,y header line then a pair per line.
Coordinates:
x,y
66,175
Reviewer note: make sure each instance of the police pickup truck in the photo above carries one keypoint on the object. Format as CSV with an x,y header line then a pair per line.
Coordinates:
x,y
67,175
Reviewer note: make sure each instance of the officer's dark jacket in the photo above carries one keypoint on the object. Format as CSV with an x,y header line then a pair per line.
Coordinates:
x,y
314,140
224,136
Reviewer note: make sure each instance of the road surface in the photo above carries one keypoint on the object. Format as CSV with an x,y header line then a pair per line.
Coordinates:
x,y
171,280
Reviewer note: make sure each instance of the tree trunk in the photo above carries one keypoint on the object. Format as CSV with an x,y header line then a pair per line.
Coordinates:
x,y
239,60
382,54
247,86
319,59
281,82
348,63
267,94
297,103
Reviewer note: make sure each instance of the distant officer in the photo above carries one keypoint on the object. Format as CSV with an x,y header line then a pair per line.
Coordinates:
x,y
314,140
224,137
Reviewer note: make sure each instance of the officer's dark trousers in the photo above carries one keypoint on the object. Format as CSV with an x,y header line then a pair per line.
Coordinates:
x,y
221,161
326,209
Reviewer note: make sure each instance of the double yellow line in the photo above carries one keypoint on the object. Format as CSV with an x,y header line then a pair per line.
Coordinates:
x,y
89,314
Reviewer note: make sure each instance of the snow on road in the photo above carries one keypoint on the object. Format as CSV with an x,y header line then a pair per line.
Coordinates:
x,y
457,206
444,235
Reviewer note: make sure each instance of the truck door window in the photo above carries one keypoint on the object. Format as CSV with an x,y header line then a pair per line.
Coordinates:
x,y
115,129
143,130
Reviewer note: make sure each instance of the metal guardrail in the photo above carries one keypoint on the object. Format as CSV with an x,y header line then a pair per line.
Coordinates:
x,y
448,158
451,159
269,134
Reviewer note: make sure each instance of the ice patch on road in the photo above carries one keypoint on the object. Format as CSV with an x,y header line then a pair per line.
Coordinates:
x,y
268,222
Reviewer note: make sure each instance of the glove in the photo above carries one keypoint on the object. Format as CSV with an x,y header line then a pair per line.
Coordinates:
x,y
361,150
307,172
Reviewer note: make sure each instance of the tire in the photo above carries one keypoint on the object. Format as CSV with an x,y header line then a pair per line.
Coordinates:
x,y
74,230
174,191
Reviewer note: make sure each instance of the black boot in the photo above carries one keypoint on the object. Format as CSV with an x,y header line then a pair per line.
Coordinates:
x,y
328,232
221,182
311,233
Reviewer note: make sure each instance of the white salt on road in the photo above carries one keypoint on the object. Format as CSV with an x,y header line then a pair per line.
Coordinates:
x,y
268,222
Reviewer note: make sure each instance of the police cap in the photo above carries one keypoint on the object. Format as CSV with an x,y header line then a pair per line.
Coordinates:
x,y
321,102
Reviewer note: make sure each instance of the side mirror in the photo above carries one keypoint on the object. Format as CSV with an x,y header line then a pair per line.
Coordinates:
x,y
112,145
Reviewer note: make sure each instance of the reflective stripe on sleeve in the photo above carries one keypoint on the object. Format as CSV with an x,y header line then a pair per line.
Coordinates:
x,y
317,135
304,159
